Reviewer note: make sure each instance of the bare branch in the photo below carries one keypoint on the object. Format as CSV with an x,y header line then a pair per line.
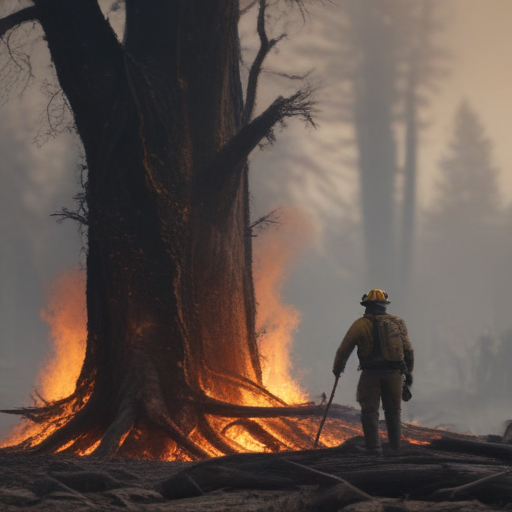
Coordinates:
x,y
228,164
301,77
17,18
299,104
265,221
65,213
15,65
248,8
226,168
265,46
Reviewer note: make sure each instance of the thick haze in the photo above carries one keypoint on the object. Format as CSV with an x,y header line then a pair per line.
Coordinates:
x,y
457,307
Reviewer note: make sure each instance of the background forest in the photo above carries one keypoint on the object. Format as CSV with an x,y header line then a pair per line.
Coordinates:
x,y
406,184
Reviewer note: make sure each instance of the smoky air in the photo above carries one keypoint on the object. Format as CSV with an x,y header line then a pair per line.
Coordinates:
x,y
404,185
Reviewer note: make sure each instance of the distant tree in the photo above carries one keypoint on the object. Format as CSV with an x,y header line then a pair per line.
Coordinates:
x,y
391,62
461,262
423,70
468,196
166,132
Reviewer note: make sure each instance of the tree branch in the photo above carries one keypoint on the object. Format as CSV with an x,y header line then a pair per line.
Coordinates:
x,y
240,146
218,408
265,46
88,59
225,169
17,18
65,213
248,8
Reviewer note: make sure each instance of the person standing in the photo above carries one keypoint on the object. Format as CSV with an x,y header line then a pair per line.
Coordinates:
x,y
385,356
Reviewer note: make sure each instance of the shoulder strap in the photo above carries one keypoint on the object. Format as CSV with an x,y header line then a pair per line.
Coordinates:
x,y
376,349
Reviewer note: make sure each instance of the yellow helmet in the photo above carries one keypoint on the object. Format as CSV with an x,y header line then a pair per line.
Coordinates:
x,y
374,295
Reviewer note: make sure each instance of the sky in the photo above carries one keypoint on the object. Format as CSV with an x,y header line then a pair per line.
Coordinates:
x,y
306,168
479,39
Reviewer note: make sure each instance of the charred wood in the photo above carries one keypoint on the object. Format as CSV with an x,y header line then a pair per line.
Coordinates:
x,y
476,447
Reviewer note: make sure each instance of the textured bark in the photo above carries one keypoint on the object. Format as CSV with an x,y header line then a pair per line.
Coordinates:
x,y
170,296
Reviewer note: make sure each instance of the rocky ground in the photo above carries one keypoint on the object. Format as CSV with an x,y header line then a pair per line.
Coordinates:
x,y
450,475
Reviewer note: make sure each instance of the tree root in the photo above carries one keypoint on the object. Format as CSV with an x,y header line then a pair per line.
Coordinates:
x,y
197,428
249,385
216,440
259,434
117,432
218,408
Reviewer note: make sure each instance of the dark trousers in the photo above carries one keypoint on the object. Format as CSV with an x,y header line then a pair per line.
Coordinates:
x,y
376,384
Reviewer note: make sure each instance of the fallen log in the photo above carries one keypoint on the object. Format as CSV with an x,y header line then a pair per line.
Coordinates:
x,y
201,480
416,472
353,488
450,443
452,492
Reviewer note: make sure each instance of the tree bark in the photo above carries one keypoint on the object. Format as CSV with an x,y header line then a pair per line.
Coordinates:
x,y
170,297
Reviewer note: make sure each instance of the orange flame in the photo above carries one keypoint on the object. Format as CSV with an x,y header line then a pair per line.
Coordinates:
x,y
67,317
274,251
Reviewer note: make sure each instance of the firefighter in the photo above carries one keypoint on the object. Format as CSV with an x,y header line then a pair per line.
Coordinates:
x,y
385,355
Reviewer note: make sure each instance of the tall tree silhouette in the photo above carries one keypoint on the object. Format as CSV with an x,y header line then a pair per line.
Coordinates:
x,y
391,62
461,244
423,70
468,196
166,133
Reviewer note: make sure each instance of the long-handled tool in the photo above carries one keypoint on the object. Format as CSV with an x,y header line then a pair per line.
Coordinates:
x,y
326,411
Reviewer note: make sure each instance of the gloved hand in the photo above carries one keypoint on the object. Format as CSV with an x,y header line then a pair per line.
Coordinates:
x,y
338,371
408,379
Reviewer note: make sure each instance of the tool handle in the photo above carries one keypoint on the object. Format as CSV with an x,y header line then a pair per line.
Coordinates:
x,y
326,411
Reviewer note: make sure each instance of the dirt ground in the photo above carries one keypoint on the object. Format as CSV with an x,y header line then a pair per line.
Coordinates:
x,y
62,484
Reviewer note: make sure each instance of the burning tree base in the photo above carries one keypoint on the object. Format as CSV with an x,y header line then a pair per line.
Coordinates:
x,y
224,429
220,428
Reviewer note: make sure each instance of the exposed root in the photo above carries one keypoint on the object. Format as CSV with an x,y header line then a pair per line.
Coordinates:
x,y
116,432
259,434
195,452
218,408
249,385
77,426
83,444
215,439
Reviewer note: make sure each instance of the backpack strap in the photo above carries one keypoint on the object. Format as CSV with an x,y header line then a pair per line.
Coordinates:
x,y
377,348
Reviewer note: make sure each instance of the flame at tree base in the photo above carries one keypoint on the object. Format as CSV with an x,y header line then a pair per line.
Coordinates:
x,y
66,315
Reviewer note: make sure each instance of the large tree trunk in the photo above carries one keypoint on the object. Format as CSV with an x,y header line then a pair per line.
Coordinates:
x,y
170,298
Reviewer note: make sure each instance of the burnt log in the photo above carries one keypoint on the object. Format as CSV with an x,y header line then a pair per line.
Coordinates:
x,y
417,472
201,480
473,446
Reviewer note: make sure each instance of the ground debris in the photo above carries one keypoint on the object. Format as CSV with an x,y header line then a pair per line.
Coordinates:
x,y
389,505
18,497
474,474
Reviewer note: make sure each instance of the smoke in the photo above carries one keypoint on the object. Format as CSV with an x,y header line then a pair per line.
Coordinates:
x,y
457,310
456,306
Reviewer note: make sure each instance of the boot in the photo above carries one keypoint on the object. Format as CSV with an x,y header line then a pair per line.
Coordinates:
x,y
370,422
394,424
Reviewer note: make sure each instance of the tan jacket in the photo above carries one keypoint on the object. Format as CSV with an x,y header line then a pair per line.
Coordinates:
x,y
394,342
